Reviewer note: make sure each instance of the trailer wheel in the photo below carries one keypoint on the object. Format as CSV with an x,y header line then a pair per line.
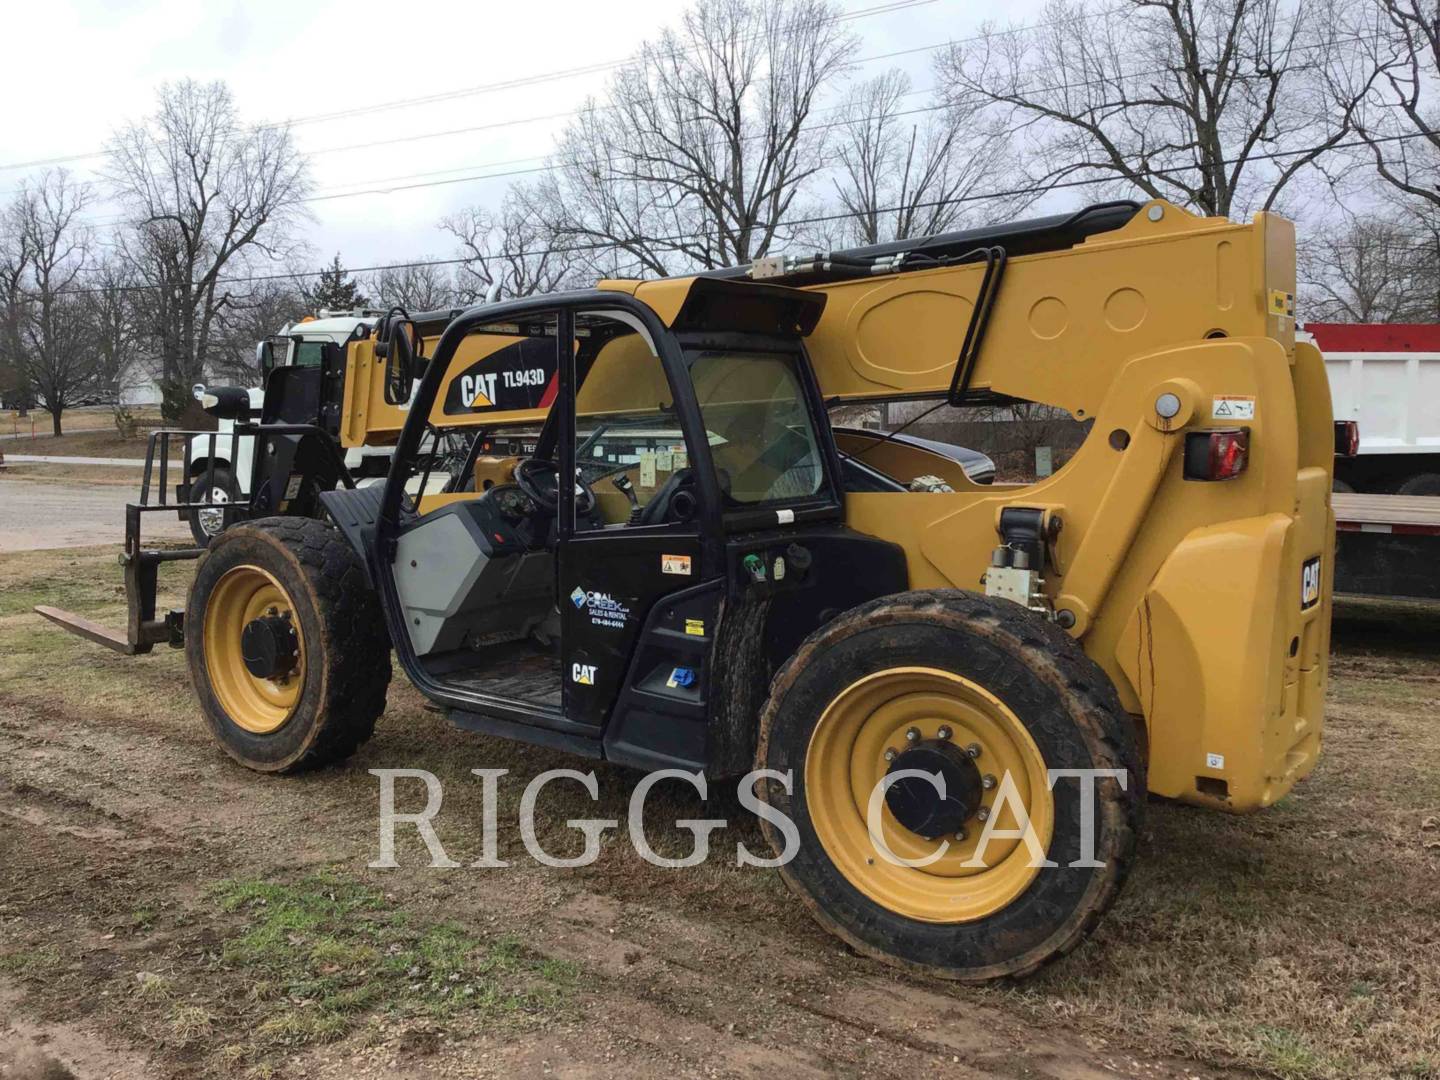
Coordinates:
x,y
220,487
991,698
1420,484
287,649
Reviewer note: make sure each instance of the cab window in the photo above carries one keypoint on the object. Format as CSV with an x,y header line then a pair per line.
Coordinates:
x,y
308,354
629,445
761,434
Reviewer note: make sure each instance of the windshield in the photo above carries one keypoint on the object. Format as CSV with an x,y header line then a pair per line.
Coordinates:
x,y
308,354
759,429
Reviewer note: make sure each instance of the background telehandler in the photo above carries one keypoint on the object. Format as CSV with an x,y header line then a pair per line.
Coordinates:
x,y
221,470
690,569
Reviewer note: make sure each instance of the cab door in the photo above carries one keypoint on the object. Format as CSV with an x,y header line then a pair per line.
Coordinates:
x,y
637,594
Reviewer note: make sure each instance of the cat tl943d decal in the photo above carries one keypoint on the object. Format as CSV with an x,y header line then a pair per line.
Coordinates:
x,y
519,376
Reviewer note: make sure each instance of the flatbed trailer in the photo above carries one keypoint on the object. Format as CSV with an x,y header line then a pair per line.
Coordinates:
x,y
1387,545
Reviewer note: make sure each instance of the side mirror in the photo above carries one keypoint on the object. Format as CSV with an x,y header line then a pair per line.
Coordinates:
x,y
398,343
226,402
265,359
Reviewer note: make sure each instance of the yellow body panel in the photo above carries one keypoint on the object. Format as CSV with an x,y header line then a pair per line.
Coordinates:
x,y
1187,593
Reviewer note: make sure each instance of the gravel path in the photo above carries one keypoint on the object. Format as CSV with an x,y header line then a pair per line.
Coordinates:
x,y
51,515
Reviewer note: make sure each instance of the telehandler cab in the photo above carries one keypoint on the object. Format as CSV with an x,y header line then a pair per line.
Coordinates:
x,y
691,570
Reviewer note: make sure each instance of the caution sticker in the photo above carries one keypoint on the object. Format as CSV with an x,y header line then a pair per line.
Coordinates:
x,y
1282,303
675,564
1233,407
695,627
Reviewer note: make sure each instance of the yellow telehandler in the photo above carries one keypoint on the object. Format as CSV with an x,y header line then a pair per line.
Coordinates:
x,y
658,552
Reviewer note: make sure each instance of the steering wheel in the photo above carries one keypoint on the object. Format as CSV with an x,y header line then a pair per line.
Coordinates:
x,y
540,479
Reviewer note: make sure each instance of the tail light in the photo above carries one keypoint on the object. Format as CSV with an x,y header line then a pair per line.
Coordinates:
x,y
1217,454
1347,438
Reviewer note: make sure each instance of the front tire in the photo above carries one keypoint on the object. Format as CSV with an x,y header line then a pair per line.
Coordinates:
x,y
940,671
286,645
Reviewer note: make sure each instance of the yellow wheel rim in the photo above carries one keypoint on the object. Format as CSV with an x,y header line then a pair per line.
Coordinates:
x,y
243,594
846,761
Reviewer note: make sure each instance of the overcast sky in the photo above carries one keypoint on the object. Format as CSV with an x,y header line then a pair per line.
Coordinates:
x,y
301,60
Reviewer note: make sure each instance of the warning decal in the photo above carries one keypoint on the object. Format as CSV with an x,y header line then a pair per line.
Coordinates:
x,y
1233,407
1282,303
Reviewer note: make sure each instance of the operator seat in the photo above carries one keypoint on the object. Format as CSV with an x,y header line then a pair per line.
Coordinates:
x,y
657,510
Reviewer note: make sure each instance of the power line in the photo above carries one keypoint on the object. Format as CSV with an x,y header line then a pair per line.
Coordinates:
x,y
473,91
1040,189
326,196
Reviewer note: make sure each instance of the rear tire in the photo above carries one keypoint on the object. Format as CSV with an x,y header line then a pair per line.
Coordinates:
x,y
321,708
949,666
1421,484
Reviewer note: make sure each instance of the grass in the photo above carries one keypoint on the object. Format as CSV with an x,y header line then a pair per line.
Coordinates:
x,y
322,954
30,963
86,433
94,418
1300,943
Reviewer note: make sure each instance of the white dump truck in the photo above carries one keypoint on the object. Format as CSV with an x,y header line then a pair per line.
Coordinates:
x,y
1385,386
1385,378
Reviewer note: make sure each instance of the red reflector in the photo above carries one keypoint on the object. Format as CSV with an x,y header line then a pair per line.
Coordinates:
x,y
1216,455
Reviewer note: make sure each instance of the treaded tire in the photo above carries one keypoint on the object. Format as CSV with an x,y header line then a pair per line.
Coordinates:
x,y
1069,708
223,479
1420,484
347,659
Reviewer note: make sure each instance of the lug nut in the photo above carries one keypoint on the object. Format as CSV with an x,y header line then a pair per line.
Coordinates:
x,y
943,733
983,813
973,749
987,782
889,753
912,734
961,835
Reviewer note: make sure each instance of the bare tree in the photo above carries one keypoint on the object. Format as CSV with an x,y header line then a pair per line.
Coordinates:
x,y
55,249
205,196
1369,269
700,149
1401,123
1212,104
514,248
266,308
420,286
14,266
910,171
116,339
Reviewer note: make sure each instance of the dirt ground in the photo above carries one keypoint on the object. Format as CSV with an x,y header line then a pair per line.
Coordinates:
x,y
166,913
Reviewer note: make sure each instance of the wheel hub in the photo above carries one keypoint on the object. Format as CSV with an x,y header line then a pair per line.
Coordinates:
x,y
212,519
270,647
916,802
